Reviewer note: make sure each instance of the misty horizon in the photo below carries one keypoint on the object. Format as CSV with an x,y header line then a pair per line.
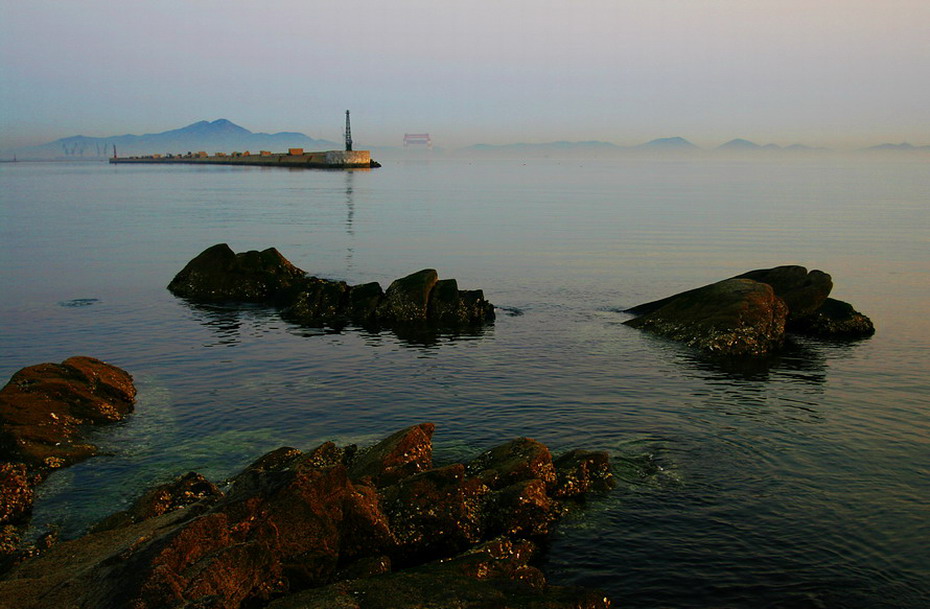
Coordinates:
x,y
234,136
842,75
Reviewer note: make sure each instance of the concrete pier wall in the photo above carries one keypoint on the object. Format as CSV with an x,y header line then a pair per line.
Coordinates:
x,y
330,159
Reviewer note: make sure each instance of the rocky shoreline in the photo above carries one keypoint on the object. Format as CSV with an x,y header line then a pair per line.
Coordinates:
x,y
373,527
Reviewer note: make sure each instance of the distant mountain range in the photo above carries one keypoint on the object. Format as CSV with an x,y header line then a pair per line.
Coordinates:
x,y
592,147
217,136
665,146
225,136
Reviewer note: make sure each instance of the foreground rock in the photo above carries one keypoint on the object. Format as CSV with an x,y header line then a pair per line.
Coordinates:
x,y
44,410
749,314
494,575
338,525
219,275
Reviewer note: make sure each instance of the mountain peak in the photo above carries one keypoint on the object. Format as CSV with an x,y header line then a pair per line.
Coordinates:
x,y
739,144
669,143
220,126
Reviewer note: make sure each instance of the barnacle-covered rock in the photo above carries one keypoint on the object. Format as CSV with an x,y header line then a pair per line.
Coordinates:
x,y
730,317
313,529
43,409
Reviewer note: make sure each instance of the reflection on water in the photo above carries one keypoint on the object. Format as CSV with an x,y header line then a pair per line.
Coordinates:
x,y
79,302
225,322
803,361
350,216
228,321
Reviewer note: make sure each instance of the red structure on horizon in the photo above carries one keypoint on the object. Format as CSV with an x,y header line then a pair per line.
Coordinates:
x,y
418,139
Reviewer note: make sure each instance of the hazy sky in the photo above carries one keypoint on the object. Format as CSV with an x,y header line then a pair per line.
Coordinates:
x,y
822,72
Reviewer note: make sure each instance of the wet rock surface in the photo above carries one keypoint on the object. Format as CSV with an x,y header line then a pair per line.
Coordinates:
x,y
220,275
331,527
494,575
802,291
749,315
44,410
732,317
834,319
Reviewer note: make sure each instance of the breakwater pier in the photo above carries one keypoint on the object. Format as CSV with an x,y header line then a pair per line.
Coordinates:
x,y
294,158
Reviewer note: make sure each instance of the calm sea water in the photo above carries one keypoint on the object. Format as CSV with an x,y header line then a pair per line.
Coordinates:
x,y
804,482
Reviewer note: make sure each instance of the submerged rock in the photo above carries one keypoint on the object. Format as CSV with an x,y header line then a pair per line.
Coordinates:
x,y
731,317
323,524
43,409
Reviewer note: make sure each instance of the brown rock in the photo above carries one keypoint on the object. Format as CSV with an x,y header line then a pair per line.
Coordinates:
x,y
495,575
517,460
449,306
522,509
16,493
731,317
400,455
293,521
434,513
43,407
580,471
802,291
189,489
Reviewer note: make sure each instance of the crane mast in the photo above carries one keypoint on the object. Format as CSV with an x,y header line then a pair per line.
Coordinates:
x,y
348,134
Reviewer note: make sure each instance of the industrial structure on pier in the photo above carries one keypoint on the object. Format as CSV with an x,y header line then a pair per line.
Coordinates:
x,y
294,157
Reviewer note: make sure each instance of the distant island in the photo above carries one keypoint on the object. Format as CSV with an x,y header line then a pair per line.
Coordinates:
x,y
222,135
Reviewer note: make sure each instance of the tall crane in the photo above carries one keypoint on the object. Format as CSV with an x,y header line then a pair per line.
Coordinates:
x,y
348,134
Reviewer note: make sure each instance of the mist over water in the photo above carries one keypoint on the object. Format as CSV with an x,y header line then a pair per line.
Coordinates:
x,y
798,482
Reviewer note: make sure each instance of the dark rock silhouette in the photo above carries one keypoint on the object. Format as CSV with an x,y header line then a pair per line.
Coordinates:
x,y
219,275
750,313
834,319
311,529
419,299
802,291
731,317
